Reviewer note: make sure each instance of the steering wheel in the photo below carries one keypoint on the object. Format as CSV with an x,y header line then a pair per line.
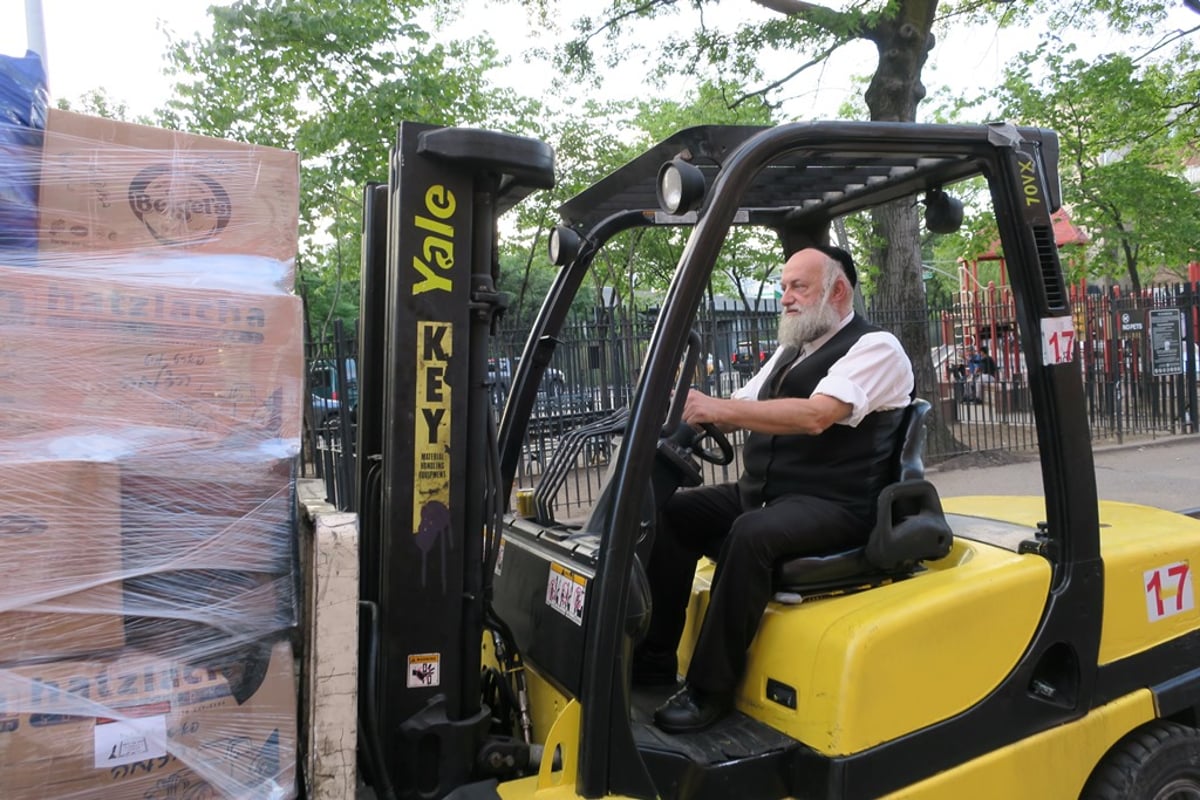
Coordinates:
x,y
723,452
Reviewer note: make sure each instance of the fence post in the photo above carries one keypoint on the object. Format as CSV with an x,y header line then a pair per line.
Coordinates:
x,y
1187,295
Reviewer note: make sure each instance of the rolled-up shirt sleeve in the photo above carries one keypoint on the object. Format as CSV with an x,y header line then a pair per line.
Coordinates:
x,y
875,374
754,385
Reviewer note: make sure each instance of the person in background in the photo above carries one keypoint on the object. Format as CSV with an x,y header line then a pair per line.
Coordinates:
x,y
972,366
983,372
823,414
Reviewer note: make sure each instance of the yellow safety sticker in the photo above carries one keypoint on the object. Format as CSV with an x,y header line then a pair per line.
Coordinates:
x,y
566,592
431,434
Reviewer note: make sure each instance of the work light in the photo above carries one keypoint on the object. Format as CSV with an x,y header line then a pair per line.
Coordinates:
x,y
563,245
680,187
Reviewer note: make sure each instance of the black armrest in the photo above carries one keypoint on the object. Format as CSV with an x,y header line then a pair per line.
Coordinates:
x,y
911,526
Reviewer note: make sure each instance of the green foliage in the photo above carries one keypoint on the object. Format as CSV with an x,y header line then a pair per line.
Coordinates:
x,y
701,41
98,103
331,79
748,258
1126,126
603,137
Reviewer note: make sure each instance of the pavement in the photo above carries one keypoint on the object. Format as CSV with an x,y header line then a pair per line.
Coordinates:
x,y
1162,472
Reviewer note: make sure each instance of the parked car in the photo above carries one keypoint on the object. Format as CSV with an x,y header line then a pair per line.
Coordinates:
x,y
554,382
743,358
328,397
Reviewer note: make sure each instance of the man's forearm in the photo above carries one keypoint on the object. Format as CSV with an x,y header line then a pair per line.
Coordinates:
x,y
785,415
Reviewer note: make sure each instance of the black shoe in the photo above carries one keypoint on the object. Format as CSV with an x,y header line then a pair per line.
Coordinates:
x,y
690,710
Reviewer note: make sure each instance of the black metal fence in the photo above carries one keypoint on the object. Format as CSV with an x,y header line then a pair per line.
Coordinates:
x,y
1138,355
331,414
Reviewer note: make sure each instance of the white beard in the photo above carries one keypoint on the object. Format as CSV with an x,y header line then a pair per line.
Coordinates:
x,y
808,325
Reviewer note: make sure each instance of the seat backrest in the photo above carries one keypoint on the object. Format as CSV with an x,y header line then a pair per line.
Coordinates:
x,y
910,526
910,453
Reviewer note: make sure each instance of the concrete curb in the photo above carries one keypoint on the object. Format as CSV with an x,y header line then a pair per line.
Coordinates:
x,y
1160,441
1025,456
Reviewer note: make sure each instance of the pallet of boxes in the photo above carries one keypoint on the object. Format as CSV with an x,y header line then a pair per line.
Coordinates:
x,y
151,374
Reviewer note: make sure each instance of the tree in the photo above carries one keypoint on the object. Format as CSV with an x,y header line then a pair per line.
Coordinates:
x,y
604,136
749,262
331,79
901,33
1126,125
98,103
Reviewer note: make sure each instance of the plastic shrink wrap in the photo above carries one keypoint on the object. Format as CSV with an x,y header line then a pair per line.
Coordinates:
x,y
23,100
151,379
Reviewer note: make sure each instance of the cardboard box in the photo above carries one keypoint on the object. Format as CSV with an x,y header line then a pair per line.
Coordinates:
x,y
60,535
213,362
115,186
208,509
141,727
191,613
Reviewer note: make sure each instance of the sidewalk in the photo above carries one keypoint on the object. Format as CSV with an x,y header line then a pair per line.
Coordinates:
x,y
1162,472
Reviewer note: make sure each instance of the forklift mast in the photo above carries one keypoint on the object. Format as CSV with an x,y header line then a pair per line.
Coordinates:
x,y
429,306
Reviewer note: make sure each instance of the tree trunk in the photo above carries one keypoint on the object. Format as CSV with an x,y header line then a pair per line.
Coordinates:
x,y
895,90
1131,265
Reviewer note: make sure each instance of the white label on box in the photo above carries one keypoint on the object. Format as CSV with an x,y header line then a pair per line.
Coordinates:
x,y
129,741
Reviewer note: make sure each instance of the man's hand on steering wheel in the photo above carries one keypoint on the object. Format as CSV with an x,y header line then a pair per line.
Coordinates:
x,y
700,409
703,412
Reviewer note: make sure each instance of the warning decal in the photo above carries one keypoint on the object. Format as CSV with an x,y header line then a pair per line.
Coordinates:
x,y
424,670
566,592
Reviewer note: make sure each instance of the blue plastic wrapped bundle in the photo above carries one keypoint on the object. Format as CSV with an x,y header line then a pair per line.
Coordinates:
x,y
23,101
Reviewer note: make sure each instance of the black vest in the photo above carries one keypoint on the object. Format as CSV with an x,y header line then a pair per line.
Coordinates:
x,y
846,465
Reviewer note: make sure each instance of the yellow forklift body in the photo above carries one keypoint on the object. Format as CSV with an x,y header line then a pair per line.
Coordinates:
x,y
871,666
1051,765
1148,557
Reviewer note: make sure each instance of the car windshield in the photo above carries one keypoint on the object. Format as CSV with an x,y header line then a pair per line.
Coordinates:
x,y
323,381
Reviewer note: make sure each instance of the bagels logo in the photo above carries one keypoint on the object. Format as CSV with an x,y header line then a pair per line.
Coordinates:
x,y
179,207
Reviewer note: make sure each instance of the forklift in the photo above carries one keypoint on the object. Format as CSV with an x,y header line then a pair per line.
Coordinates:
x,y
978,647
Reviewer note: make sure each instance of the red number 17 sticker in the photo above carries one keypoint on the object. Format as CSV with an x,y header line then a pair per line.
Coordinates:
x,y
1058,340
1169,591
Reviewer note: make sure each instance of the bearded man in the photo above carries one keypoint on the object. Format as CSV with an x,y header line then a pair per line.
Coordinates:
x,y
823,415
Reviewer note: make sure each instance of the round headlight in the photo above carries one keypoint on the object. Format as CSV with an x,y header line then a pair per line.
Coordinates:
x,y
563,245
670,189
680,187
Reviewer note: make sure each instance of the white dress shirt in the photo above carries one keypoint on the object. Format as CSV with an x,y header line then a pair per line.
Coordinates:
x,y
875,374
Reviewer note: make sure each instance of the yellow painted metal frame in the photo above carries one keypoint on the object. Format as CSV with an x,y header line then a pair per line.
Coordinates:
x,y
1133,540
871,666
1051,765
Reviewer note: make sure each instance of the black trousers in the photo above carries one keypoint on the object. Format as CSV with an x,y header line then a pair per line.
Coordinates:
x,y
746,543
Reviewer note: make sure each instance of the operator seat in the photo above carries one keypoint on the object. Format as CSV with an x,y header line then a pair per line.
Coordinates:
x,y
910,528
